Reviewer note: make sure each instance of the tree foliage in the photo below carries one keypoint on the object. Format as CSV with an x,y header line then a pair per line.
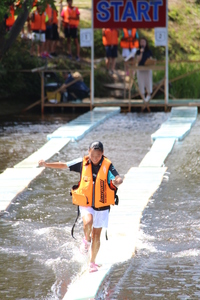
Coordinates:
x,y
22,12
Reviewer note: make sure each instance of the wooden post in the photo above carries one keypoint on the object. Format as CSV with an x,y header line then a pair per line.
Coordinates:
x,y
129,90
124,80
90,90
165,91
42,93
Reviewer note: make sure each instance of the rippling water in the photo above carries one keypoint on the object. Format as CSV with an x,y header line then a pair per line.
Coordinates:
x,y
39,258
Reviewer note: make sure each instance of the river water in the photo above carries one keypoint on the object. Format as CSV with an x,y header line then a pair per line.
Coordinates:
x,y
38,256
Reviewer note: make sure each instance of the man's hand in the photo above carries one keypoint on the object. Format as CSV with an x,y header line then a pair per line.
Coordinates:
x,y
42,163
117,181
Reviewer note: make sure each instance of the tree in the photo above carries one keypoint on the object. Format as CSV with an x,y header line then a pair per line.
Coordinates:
x,y
23,10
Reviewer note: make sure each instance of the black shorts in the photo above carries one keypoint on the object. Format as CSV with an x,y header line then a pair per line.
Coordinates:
x,y
111,51
49,33
71,32
55,35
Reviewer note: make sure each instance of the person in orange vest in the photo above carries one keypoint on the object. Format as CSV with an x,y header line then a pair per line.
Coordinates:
x,y
38,27
10,18
55,35
129,42
49,31
110,42
52,35
71,16
92,198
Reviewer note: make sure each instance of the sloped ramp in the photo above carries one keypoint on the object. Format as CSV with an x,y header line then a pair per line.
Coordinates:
x,y
77,128
178,125
45,152
158,152
14,181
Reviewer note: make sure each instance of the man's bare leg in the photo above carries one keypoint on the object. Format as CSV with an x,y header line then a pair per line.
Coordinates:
x,y
96,233
87,226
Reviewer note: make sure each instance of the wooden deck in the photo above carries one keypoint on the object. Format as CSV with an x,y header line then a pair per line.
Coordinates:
x,y
127,104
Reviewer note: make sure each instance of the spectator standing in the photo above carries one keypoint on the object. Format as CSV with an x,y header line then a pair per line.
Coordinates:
x,y
10,18
144,77
129,42
48,33
55,35
71,16
110,42
38,27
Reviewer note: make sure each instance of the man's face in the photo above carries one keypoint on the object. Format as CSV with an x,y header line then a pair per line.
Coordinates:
x,y
95,156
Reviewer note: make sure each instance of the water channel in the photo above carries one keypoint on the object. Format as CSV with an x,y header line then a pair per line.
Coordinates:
x,y
38,256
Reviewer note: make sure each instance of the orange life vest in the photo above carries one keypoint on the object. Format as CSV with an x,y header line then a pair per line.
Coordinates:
x,y
70,12
49,12
39,21
103,194
129,41
55,16
11,18
110,37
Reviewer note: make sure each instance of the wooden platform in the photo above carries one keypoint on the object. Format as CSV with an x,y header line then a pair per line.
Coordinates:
x,y
128,104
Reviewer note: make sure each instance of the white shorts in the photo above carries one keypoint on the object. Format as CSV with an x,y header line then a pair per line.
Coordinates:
x,y
126,52
100,218
38,37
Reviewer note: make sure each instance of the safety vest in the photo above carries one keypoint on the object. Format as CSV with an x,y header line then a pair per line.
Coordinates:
x,y
70,12
102,193
11,18
49,12
110,37
39,21
129,41
55,17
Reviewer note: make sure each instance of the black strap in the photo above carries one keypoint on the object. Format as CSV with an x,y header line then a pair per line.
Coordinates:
x,y
116,199
106,235
72,231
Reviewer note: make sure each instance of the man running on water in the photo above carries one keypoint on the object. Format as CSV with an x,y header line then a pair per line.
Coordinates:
x,y
93,195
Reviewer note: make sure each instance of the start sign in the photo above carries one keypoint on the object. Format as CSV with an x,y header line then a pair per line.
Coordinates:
x,y
129,13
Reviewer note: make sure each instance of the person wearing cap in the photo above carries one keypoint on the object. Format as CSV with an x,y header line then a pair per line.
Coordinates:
x,y
94,194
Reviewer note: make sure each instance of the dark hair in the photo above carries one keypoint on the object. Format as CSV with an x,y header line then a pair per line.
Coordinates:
x,y
147,44
96,145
